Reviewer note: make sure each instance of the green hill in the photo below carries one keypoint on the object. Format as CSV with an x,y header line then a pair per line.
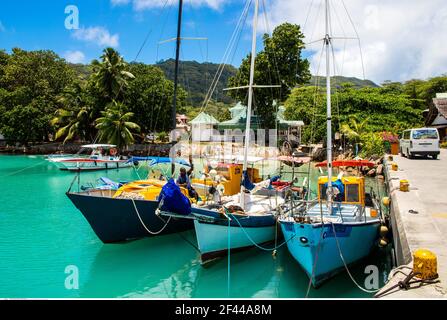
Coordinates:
x,y
338,80
196,79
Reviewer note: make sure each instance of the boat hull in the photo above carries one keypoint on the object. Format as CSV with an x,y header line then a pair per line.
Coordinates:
x,y
322,261
116,220
90,165
214,238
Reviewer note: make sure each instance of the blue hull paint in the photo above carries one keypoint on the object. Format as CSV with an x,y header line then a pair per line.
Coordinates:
x,y
355,240
115,220
212,235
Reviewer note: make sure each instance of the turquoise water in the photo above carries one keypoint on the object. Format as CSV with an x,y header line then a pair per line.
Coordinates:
x,y
41,233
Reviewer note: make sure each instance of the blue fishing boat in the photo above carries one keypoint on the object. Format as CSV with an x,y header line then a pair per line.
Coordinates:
x,y
326,238
341,226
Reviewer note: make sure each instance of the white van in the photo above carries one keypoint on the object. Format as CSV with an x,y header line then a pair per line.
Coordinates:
x,y
421,141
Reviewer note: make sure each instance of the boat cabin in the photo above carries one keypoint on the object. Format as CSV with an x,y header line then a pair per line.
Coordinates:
x,y
351,190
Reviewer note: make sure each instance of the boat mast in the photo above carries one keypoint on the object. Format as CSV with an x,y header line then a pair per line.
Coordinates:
x,y
327,41
250,97
177,60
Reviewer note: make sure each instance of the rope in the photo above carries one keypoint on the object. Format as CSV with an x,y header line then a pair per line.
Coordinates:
x,y
346,266
145,227
30,167
259,246
316,260
229,253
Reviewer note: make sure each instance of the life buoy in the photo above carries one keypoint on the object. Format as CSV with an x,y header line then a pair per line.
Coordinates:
x,y
113,152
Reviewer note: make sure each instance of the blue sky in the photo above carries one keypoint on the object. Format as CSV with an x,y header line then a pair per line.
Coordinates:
x,y
34,25
401,39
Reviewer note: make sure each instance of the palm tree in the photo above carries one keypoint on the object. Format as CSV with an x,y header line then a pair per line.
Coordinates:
x,y
74,119
115,127
110,74
354,131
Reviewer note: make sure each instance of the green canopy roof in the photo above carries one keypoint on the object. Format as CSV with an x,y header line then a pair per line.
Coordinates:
x,y
204,118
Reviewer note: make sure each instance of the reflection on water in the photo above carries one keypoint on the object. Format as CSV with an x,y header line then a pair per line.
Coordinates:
x,y
42,233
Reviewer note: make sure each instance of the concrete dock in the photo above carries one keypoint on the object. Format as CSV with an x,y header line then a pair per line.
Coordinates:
x,y
419,220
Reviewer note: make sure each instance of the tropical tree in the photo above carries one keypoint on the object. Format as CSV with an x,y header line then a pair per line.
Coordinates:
x,y
110,75
280,63
150,95
30,82
115,127
355,131
74,120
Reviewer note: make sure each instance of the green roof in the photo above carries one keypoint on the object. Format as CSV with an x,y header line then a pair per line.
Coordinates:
x,y
204,118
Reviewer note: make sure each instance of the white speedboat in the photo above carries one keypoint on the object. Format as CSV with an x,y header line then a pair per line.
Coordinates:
x,y
102,157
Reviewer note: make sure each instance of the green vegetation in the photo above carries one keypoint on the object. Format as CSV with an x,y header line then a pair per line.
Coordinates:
x,y
362,114
196,78
339,80
279,63
115,126
43,98
30,84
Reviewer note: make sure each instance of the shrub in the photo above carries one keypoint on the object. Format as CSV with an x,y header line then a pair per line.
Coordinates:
x,y
372,144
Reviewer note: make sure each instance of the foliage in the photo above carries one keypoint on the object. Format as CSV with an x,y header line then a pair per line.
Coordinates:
x,y
218,110
115,127
390,137
197,77
110,75
150,96
372,144
443,145
355,130
162,136
74,119
30,83
280,63
340,80
385,110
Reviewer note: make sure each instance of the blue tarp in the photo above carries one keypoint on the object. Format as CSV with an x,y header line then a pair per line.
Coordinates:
x,y
156,160
341,187
173,199
246,182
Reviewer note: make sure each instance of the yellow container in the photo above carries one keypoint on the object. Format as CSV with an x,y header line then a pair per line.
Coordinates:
x,y
404,186
425,264
394,166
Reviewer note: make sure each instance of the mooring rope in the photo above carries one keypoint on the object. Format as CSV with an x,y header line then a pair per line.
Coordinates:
x,y
316,260
229,252
346,266
145,227
259,246
23,169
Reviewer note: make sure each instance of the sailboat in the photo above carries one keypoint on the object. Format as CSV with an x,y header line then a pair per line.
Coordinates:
x,y
130,212
341,226
243,220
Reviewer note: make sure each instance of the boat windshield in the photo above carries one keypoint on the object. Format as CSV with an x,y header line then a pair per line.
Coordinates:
x,y
425,134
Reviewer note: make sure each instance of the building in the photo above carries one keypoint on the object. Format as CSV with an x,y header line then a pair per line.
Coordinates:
x,y
436,115
181,128
287,130
202,127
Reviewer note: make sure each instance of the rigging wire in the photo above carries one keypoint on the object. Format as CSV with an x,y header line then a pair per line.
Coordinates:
x,y
225,57
357,35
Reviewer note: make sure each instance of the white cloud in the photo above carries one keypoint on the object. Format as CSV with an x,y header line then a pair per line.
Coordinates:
x,y
140,5
119,2
74,56
2,27
98,35
401,39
